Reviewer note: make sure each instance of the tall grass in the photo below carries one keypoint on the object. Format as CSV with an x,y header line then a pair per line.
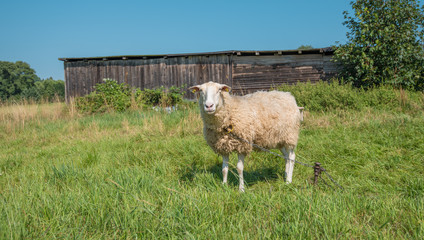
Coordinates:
x,y
147,174
325,96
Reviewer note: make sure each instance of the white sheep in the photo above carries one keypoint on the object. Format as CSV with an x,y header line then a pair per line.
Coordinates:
x,y
268,119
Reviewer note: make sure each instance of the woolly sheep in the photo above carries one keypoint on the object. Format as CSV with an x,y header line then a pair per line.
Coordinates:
x,y
268,119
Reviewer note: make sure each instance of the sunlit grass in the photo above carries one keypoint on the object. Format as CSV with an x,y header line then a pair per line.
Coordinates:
x,y
147,174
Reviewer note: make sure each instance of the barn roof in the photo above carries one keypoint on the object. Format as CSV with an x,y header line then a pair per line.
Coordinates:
x,y
327,50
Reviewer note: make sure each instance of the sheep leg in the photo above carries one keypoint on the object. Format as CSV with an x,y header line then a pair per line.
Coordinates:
x,y
290,160
225,159
286,157
240,166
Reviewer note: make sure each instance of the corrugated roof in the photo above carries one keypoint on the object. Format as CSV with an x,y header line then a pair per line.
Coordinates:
x,y
327,50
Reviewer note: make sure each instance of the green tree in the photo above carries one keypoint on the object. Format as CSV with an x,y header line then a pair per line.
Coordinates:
x,y
50,88
15,78
46,89
305,47
385,44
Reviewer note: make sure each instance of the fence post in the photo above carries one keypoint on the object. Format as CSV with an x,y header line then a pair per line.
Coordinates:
x,y
317,171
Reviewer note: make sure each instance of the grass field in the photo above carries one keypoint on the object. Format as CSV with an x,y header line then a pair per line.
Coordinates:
x,y
146,174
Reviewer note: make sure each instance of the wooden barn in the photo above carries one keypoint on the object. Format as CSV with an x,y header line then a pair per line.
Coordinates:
x,y
244,71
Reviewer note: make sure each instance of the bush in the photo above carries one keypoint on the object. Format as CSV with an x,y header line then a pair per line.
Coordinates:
x,y
111,95
162,97
326,96
108,95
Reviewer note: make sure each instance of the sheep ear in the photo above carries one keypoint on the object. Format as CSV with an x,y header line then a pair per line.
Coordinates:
x,y
194,89
225,88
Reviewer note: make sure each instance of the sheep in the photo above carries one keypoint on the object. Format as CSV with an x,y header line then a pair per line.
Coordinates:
x,y
268,119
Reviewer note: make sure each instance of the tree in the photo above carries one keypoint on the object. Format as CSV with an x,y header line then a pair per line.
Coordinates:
x,y
46,89
305,47
15,78
50,88
385,44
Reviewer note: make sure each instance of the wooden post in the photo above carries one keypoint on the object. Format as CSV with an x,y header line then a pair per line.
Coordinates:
x,y
317,171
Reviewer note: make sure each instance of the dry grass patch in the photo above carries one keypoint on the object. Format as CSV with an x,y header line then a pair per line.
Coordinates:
x,y
16,116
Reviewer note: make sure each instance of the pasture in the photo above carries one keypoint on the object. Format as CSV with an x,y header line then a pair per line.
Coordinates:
x,y
144,174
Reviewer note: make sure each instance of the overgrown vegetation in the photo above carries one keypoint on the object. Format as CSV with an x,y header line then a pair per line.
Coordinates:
x,y
111,95
162,97
329,96
385,44
150,175
18,82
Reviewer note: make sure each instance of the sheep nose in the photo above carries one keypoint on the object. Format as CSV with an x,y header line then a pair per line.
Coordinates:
x,y
209,105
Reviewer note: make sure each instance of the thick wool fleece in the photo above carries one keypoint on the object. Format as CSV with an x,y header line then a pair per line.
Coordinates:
x,y
268,119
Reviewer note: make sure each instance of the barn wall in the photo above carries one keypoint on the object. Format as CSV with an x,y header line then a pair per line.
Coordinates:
x,y
243,73
82,76
330,68
252,73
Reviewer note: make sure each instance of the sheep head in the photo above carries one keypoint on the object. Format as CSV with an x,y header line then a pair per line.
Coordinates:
x,y
210,96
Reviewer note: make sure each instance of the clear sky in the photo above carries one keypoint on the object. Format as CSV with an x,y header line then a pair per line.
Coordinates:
x,y
40,32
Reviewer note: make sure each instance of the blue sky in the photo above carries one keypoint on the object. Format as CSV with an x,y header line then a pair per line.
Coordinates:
x,y
40,32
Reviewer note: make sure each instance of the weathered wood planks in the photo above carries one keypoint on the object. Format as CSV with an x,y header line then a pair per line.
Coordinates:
x,y
252,73
244,71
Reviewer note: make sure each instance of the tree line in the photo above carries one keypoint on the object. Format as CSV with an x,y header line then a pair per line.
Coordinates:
x,y
19,81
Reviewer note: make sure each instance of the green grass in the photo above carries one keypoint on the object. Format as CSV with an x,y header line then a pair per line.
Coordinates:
x,y
146,174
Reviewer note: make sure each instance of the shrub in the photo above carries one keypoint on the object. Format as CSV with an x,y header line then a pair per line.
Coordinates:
x,y
151,96
111,95
162,97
